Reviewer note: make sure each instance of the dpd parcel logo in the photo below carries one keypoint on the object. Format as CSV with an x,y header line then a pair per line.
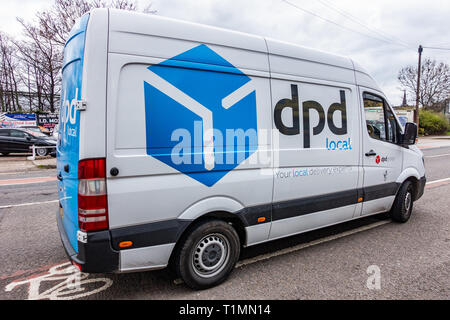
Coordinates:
x,y
200,114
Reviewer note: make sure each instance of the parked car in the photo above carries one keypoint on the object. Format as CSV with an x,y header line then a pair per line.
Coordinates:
x,y
18,140
55,132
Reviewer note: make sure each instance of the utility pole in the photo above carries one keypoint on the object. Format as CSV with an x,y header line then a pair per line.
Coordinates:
x,y
419,71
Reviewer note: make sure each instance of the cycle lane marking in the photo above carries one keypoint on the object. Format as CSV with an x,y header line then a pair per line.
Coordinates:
x,y
72,284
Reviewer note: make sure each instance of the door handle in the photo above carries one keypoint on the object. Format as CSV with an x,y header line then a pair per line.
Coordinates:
x,y
371,153
59,176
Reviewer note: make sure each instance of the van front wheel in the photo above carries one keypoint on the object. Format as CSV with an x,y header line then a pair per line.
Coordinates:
x,y
403,204
208,254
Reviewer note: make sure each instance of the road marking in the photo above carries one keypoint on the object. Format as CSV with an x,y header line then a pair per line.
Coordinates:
x,y
27,204
19,273
32,171
439,155
267,256
437,183
11,182
14,172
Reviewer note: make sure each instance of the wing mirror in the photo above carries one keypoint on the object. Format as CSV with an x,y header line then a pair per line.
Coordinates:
x,y
410,135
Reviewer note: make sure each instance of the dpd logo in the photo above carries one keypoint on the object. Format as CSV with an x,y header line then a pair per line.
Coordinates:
x,y
200,114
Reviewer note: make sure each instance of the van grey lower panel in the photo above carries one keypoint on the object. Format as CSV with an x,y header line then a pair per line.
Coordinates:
x,y
148,258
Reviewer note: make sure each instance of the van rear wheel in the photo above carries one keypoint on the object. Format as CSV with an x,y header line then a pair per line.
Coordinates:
x,y
208,254
403,203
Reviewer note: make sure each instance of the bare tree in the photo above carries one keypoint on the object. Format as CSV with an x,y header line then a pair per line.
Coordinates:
x,y
34,75
32,67
434,83
41,52
59,20
9,82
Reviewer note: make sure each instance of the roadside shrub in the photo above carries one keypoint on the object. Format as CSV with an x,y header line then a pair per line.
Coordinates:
x,y
421,131
432,123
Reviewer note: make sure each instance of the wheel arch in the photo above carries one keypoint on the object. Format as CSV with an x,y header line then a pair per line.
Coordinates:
x,y
410,174
222,208
232,218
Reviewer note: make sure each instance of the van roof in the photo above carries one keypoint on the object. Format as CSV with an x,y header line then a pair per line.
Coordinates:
x,y
136,23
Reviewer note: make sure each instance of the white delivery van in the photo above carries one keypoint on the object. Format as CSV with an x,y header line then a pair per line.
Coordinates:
x,y
180,143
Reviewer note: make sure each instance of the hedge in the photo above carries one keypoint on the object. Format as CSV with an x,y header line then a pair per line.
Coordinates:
x,y
432,123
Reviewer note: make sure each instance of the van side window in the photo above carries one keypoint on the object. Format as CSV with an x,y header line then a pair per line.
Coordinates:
x,y
380,120
375,119
391,128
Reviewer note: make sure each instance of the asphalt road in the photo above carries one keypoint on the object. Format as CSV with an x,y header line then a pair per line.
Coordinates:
x,y
412,259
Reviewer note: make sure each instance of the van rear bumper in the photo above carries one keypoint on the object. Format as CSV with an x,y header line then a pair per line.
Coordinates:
x,y
96,255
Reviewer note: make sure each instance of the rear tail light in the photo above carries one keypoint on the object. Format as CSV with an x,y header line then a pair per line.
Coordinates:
x,y
92,198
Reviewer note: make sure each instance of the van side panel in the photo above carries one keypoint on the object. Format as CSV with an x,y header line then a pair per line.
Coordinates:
x,y
317,132
160,88
161,37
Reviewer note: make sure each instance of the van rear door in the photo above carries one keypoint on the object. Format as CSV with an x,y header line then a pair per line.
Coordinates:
x,y
69,129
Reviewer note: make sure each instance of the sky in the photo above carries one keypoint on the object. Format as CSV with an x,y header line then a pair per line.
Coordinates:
x,y
367,31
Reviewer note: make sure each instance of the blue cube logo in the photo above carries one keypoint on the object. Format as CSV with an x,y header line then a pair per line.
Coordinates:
x,y
200,114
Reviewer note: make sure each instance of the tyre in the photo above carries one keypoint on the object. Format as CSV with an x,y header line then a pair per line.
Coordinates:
x,y
403,203
41,152
207,255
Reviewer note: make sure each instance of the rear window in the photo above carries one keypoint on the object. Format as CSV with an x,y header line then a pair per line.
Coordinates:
x,y
18,134
4,133
36,133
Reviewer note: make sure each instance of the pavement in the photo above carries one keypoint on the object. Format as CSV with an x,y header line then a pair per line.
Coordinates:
x,y
20,163
433,142
412,260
